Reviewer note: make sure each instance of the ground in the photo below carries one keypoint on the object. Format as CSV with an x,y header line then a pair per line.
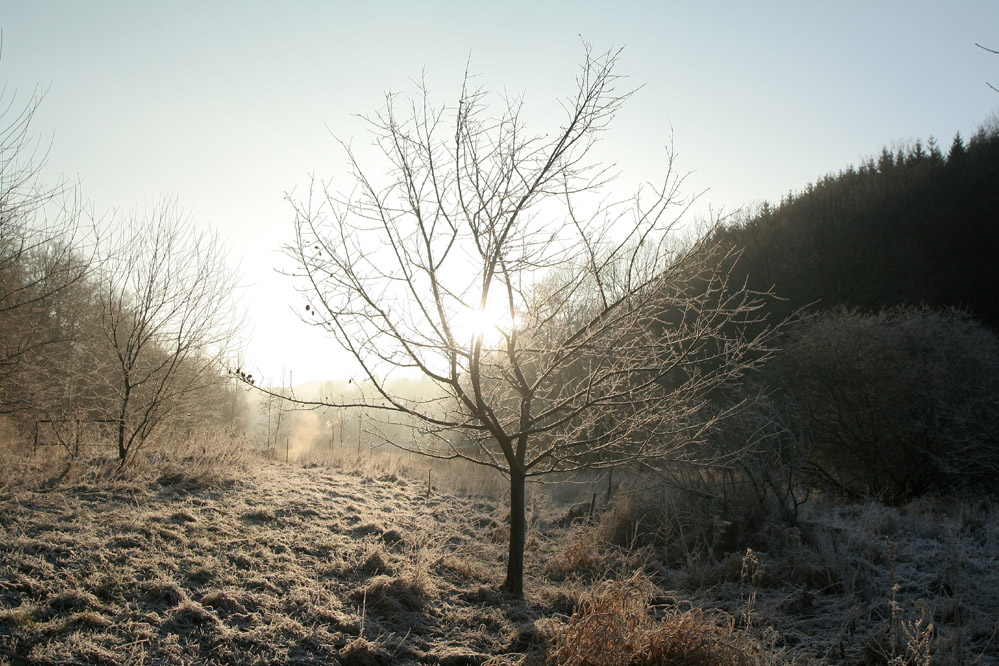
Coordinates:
x,y
286,564
279,563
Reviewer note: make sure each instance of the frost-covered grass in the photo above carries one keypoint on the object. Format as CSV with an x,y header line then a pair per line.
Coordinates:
x,y
276,564
210,556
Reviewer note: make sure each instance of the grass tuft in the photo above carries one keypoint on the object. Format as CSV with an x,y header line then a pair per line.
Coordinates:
x,y
189,614
617,623
362,652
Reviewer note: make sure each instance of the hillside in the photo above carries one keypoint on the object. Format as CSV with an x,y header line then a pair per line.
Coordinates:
x,y
308,565
286,565
910,226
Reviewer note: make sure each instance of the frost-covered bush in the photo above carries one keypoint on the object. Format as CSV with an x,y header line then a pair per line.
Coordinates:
x,y
894,404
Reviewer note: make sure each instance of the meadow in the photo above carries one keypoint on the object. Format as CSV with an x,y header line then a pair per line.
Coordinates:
x,y
209,554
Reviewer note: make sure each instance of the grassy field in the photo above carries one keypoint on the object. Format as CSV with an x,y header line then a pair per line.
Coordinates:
x,y
216,557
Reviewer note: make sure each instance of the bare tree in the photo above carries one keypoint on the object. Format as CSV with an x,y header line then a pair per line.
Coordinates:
x,y
41,254
168,323
273,408
564,329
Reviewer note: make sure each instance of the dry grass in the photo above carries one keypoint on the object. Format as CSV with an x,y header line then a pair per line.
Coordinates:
x,y
254,563
619,623
204,458
203,555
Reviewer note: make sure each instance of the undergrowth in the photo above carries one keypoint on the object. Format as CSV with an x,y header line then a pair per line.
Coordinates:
x,y
355,558
619,622
200,458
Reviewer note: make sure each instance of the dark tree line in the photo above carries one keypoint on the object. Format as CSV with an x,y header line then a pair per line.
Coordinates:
x,y
912,226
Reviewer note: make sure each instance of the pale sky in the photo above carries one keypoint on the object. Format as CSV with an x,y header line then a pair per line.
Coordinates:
x,y
229,105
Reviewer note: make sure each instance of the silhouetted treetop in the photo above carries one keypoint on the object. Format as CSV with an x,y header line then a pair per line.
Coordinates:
x,y
909,226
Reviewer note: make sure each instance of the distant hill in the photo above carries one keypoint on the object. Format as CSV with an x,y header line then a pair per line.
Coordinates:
x,y
914,226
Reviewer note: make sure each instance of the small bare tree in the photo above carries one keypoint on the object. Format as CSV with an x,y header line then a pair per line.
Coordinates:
x,y
168,323
563,328
273,408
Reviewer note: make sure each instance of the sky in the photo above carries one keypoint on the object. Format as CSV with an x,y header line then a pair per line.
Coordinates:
x,y
230,107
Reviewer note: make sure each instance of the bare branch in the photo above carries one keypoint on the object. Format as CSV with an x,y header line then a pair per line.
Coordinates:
x,y
168,321
562,327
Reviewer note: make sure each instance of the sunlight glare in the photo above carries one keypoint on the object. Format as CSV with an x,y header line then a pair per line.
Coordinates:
x,y
491,323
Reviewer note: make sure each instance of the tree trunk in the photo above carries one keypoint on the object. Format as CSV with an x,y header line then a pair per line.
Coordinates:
x,y
122,414
514,583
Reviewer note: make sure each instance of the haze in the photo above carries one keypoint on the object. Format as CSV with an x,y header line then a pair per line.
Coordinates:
x,y
228,106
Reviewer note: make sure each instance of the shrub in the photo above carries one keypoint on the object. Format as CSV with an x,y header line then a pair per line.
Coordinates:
x,y
617,623
688,516
894,404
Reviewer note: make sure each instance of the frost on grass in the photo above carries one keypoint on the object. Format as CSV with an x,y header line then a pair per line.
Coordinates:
x,y
313,565
289,565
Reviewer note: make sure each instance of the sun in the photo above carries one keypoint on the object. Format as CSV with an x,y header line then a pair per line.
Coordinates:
x,y
490,323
